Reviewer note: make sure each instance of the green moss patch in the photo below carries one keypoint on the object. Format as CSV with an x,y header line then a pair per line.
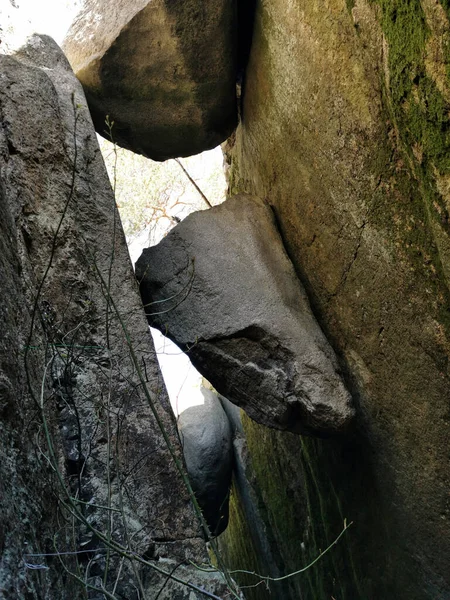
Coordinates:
x,y
420,111
302,513
421,116
350,4
239,551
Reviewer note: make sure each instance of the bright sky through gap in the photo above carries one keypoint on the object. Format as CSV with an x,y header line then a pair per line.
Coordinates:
x,y
21,18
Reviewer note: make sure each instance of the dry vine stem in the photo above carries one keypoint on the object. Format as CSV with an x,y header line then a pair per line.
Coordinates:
x,y
71,504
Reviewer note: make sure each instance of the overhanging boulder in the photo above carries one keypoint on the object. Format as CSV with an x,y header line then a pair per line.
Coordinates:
x,y
223,288
163,71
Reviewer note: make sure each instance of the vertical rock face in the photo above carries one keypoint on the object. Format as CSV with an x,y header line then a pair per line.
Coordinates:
x,y
345,131
85,472
163,70
249,538
226,292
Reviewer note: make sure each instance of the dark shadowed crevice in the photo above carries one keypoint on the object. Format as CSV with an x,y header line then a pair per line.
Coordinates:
x,y
246,20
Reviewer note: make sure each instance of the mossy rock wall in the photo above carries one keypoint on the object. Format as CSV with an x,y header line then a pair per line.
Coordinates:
x,y
299,514
345,130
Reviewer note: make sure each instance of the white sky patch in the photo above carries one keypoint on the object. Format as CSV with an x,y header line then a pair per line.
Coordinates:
x,y
183,382
21,18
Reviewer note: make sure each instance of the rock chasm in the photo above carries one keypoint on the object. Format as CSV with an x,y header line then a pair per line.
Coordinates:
x,y
316,298
93,505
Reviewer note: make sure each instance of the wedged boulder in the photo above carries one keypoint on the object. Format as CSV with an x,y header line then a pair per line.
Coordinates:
x,y
346,120
227,293
207,443
163,71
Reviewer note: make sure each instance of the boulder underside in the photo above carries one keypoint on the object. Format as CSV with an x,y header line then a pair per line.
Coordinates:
x,y
164,72
225,291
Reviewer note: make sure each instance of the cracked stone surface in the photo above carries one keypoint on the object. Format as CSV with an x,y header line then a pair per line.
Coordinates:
x,y
343,132
226,292
163,71
66,367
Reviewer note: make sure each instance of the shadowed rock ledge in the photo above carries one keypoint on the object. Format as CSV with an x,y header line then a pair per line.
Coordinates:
x,y
222,287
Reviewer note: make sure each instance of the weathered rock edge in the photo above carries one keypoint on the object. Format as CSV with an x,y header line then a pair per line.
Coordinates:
x,y
223,288
61,236
163,71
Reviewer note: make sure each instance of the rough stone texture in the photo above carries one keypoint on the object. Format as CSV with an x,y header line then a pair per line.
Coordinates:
x,y
345,121
285,510
206,438
283,513
163,70
248,538
230,297
66,368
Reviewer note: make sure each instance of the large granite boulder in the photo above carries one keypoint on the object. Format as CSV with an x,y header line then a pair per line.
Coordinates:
x,y
85,469
164,71
206,438
345,129
226,292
